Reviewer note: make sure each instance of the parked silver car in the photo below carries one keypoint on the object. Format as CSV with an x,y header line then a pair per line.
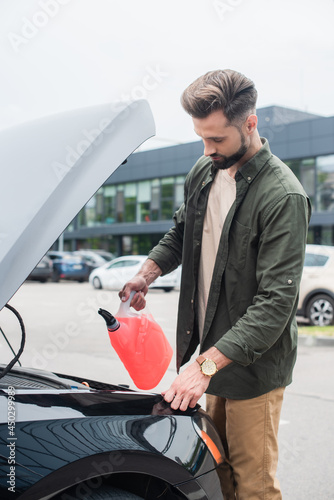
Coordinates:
x,y
316,298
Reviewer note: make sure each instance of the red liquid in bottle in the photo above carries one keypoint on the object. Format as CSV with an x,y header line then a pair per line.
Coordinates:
x,y
143,349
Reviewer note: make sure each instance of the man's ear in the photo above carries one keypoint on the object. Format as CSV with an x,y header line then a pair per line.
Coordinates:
x,y
251,124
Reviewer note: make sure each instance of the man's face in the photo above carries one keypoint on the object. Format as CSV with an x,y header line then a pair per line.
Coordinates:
x,y
225,144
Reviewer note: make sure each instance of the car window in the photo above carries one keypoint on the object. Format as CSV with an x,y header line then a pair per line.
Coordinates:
x,y
124,263
114,265
87,258
128,263
313,259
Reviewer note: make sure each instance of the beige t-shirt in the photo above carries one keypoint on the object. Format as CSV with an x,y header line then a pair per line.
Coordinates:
x,y
221,198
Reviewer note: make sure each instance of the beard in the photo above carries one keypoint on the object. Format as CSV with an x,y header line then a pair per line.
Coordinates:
x,y
223,162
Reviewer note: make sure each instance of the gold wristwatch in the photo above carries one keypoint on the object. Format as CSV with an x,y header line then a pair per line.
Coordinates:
x,y
208,366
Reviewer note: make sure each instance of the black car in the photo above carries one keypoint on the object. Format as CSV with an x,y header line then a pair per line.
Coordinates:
x,y
66,437
70,438
43,271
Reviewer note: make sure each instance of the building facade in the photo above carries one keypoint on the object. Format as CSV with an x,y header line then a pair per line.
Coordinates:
x,y
135,206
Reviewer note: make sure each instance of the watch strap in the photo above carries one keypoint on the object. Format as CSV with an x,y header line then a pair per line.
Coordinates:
x,y
200,359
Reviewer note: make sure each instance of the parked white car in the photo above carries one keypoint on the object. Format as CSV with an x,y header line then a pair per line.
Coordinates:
x,y
113,275
316,298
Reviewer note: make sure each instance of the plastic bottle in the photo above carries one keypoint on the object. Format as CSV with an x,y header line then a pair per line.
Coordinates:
x,y
140,344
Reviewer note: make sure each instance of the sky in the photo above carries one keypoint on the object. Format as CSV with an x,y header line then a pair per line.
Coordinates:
x,y
59,55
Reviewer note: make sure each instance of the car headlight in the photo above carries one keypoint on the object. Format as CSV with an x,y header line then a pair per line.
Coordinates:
x,y
206,430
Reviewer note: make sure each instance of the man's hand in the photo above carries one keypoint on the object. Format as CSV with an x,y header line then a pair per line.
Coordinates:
x,y
187,388
190,385
140,283
137,284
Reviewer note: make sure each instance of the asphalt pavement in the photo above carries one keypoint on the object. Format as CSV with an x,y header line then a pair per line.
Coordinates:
x,y
65,334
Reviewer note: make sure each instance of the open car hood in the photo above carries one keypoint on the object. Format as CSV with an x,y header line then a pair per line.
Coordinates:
x,y
50,168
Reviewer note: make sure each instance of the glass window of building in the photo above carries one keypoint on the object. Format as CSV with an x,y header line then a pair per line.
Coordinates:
x,y
307,177
81,218
155,199
143,201
130,196
90,211
99,206
167,198
325,183
179,191
304,170
120,203
321,235
327,235
109,204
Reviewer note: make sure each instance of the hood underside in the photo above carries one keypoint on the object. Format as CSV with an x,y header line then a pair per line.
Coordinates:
x,y
50,168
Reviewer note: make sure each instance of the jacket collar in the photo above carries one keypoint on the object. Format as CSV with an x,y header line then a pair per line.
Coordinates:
x,y
255,164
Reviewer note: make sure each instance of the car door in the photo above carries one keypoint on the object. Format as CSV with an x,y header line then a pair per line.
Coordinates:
x,y
118,273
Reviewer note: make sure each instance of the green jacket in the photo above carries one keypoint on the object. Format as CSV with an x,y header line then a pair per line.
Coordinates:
x,y
254,291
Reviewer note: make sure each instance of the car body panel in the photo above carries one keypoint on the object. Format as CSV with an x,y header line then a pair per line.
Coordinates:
x,y
318,275
53,167
114,274
63,436
90,471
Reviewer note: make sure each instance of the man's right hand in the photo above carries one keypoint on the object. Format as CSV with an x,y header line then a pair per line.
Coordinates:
x,y
136,284
140,283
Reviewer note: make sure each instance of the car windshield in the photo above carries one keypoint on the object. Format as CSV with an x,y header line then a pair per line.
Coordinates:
x,y
123,263
313,259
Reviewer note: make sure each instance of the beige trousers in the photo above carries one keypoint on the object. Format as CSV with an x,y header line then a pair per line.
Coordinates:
x,y
248,430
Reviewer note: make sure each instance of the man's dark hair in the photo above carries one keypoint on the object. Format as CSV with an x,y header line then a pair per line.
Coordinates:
x,y
225,90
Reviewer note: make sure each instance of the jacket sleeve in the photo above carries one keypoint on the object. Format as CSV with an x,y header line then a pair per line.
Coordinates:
x,y
168,252
281,253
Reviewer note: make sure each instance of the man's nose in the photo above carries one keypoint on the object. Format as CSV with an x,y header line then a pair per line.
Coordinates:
x,y
209,148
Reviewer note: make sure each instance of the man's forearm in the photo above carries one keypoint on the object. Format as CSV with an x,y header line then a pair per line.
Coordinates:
x,y
150,271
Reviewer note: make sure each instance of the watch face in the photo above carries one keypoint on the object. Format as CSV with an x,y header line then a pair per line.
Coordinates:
x,y
209,367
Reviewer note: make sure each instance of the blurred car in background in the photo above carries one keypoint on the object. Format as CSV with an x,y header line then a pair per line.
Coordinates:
x,y
113,275
68,266
108,256
43,271
92,259
316,297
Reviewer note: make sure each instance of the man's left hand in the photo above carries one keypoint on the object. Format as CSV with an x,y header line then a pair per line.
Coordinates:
x,y
190,385
187,388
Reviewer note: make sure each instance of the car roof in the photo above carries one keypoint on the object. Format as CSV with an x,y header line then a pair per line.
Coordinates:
x,y
320,249
137,257
58,162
